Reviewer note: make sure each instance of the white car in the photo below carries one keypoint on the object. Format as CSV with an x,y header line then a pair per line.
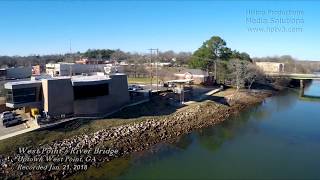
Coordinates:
x,y
134,87
7,115
9,118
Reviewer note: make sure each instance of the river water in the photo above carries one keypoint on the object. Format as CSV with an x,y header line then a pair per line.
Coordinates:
x,y
278,139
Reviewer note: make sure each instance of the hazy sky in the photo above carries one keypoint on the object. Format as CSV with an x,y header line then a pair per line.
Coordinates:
x,y
46,27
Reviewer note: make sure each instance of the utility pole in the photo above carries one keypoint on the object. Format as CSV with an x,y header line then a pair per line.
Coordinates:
x,y
215,65
151,52
70,58
150,69
215,70
157,69
70,50
70,68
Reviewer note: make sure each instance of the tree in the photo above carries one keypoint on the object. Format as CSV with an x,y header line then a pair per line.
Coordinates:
x,y
165,74
210,51
183,58
239,69
215,55
98,53
119,55
167,56
245,73
242,56
254,74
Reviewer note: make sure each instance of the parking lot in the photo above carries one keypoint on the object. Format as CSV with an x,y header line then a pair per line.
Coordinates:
x,y
12,129
147,87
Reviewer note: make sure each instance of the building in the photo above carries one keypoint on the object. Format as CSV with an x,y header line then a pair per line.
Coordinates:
x,y
68,69
36,70
182,88
85,60
197,75
159,64
271,67
16,73
70,96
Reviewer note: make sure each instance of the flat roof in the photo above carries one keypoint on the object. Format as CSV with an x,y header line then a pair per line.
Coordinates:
x,y
74,79
82,78
23,82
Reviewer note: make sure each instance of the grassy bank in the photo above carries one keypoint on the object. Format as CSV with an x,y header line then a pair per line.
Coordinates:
x,y
153,109
131,130
128,115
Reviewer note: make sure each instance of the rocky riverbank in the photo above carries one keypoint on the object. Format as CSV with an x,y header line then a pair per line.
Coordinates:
x,y
124,139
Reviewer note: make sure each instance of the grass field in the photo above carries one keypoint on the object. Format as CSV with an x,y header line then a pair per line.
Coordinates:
x,y
141,80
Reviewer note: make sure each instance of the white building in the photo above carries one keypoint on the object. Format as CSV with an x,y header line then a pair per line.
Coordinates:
x,y
67,69
271,67
197,75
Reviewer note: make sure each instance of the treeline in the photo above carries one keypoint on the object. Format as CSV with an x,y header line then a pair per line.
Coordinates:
x,y
14,61
180,58
118,55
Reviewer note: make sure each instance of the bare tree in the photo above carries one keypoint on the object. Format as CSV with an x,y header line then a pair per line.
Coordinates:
x,y
183,58
119,55
239,70
253,74
167,56
164,74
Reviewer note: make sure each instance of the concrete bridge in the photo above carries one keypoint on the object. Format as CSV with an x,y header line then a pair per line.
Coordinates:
x,y
309,98
298,76
301,77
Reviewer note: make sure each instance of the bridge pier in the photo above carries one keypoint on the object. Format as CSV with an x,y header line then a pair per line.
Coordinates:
x,y
301,93
301,84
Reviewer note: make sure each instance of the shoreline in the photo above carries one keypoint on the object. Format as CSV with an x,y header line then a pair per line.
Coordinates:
x,y
139,136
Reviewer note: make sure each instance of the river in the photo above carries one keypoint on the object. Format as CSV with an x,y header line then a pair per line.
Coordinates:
x,y
278,139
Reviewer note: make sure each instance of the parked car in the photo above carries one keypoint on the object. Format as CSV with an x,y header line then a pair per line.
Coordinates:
x,y
7,114
10,118
171,85
134,87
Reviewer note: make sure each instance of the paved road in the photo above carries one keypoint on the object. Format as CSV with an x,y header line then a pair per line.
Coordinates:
x,y
11,129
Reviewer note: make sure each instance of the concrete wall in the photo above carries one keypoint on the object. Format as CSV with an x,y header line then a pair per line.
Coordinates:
x,y
119,89
58,96
118,97
87,68
18,72
93,106
272,67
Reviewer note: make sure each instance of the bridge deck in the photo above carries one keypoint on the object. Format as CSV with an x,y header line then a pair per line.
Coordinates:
x,y
295,75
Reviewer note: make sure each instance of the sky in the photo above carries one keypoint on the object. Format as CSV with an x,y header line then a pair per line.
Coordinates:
x,y
48,27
